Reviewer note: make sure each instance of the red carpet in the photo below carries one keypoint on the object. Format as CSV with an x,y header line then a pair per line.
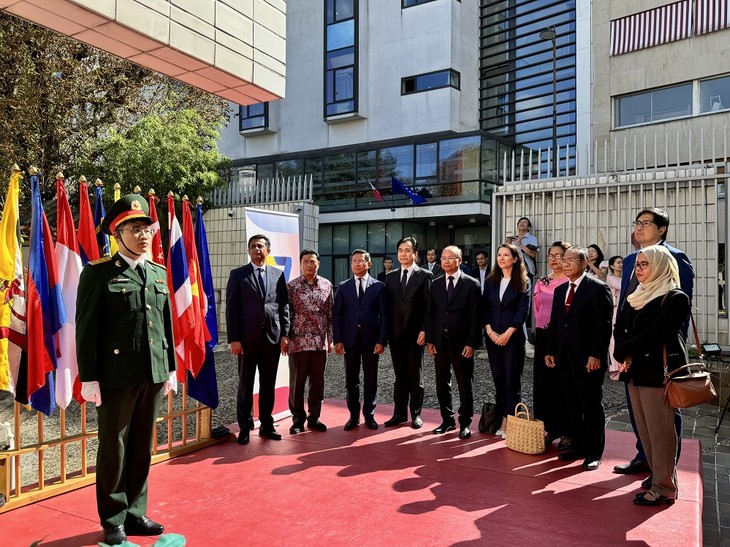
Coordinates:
x,y
395,486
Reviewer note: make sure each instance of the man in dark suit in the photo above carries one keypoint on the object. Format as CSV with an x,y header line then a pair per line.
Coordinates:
x,y
126,357
408,290
453,327
432,265
481,272
387,268
360,333
579,333
650,228
257,316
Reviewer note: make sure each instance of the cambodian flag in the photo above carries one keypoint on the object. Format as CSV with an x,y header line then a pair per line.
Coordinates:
x,y
88,246
46,313
69,270
204,387
102,239
178,281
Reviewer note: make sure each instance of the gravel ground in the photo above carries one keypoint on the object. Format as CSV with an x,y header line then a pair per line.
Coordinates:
x,y
225,414
613,394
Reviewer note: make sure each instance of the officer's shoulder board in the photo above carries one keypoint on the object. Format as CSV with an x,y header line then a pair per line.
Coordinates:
x,y
156,264
101,260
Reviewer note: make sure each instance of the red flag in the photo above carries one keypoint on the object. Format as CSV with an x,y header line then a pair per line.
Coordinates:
x,y
88,247
195,343
158,255
375,192
69,270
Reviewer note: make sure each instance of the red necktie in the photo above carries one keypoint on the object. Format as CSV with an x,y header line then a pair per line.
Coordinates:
x,y
569,301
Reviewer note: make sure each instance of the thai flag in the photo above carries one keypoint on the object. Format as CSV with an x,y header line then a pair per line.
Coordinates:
x,y
102,239
178,281
46,314
204,387
69,270
88,246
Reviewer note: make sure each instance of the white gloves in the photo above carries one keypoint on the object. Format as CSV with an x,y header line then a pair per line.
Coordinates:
x,y
91,392
171,384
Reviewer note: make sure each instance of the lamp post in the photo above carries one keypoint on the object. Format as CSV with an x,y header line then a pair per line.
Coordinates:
x,y
550,34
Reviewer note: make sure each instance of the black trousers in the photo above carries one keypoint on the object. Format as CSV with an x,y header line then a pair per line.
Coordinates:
x,y
303,366
265,356
407,359
354,357
448,356
548,393
584,395
126,425
507,363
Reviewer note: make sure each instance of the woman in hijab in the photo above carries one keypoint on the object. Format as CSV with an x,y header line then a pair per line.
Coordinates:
x,y
649,324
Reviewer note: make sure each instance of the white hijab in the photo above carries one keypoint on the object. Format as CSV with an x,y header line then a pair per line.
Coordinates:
x,y
663,278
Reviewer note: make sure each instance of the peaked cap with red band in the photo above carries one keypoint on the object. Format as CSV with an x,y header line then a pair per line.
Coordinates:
x,y
126,208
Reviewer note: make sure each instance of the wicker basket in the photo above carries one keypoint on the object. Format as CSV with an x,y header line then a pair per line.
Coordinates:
x,y
524,434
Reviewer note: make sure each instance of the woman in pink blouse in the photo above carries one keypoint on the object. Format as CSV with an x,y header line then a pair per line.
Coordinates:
x,y
547,389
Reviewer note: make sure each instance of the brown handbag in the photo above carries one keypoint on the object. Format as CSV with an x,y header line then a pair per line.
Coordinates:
x,y
689,385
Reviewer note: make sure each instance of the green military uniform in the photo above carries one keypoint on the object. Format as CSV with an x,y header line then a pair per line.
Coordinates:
x,y
124,341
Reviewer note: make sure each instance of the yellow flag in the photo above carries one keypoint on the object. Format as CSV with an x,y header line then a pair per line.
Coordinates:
x,y
11,285
113,247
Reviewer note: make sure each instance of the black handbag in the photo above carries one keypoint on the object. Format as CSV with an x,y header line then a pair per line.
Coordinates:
x,y
489,421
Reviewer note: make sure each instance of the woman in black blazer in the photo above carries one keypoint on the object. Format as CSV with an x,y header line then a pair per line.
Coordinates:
x,y
505,303
650,321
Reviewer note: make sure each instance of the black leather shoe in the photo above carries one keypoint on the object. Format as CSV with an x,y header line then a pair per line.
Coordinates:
x,y
652,498
318,426
351,424
590,464
571,456
443,428
115,535
372,424
417,422
465,432
563,445
296,428
647,482
395,420
634,466
251,425
142,526
243,437
269,434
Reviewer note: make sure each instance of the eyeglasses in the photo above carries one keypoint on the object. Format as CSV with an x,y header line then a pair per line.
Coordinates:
x,y
137,231
448,258
643,223
574,260
358,261
557,256
641,266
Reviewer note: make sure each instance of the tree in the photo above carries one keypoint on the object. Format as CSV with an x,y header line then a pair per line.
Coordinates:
x,y
168,151
59,98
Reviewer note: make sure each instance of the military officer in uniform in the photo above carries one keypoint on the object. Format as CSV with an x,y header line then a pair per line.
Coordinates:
x,y
126,357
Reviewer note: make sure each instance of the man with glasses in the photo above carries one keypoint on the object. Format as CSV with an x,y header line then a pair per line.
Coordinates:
x,y
407,290
578,336
453,332
650,228
257,317
360,334
126,359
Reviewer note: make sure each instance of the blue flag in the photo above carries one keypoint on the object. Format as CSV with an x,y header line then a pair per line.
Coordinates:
x,y
204,388
99,213
400,188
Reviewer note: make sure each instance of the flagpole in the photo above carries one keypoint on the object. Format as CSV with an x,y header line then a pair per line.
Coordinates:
x,y
392,205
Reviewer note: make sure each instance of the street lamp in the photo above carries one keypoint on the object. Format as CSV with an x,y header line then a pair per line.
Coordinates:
x,y
550,34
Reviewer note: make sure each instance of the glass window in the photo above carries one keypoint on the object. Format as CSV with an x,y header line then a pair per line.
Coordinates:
x,y
325,239
339,174
459,159
341,35
396,161
376,238
654,105
426,163
313,166
341,239
393,233
359,236
432,80
291,168
340,67
366,167
265,171
341,57
253,116
338,10
409,3
715,94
